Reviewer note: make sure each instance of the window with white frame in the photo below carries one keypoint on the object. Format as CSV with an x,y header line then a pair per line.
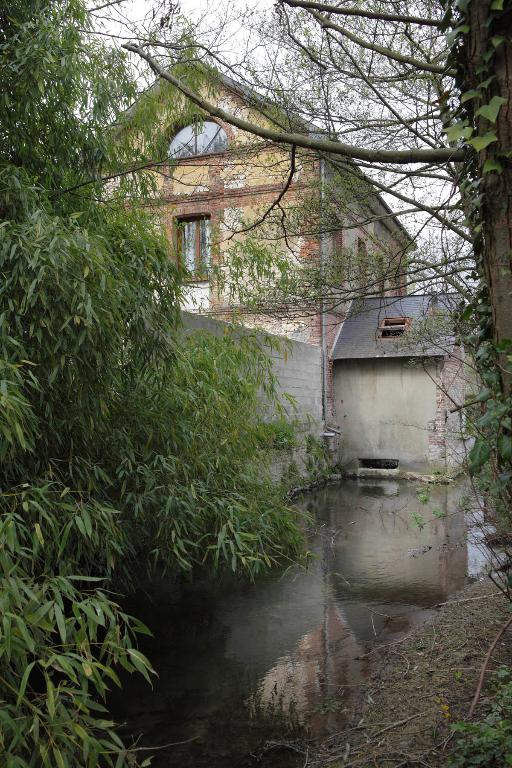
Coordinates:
x,y
194,246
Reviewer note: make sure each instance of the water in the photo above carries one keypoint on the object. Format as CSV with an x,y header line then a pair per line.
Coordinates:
x,y
240,663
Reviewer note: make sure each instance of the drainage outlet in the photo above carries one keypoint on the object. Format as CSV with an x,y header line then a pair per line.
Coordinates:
x,y
378,463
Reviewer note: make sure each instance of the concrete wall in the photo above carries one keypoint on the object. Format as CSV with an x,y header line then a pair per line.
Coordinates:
x,y
297,366
386,409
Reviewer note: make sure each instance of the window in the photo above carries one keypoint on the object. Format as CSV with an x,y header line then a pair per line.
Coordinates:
x,y
362,279
194,246
198,139
391,327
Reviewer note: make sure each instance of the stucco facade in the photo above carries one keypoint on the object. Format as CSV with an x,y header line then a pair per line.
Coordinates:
x,y
385,409
398,409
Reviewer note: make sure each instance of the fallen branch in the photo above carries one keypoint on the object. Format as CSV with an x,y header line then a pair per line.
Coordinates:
x,y
395,725
467,599
493,645
162,746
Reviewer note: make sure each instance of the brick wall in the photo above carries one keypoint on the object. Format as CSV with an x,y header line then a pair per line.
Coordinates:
x,y
445,432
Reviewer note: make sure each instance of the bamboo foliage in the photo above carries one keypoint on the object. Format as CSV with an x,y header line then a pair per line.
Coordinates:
x,y
125,445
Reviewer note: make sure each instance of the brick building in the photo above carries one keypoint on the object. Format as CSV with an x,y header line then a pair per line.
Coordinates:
x,y
225,191
223,188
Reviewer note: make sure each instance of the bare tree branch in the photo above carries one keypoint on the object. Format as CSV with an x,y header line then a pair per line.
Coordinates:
x,y
362,12
275,204
424,66
441,155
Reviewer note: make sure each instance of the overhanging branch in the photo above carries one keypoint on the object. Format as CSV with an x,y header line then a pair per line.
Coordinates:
x,y
399,157
367,14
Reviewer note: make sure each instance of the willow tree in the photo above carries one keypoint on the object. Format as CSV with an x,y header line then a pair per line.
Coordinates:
x,y
418,96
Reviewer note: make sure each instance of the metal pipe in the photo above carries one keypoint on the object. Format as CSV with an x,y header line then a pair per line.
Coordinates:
x,y
323,332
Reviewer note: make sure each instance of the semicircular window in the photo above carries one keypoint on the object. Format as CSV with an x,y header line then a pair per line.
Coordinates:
x,y
198,139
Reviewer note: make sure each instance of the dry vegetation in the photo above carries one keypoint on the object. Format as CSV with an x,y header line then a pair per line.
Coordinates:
x,y
422,684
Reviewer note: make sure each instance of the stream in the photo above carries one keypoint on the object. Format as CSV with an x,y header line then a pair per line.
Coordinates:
x,y
240,664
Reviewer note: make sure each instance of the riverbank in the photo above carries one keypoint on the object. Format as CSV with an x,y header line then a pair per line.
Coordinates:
x,y
423,683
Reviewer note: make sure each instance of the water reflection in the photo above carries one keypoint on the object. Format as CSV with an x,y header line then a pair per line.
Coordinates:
x,y
238,662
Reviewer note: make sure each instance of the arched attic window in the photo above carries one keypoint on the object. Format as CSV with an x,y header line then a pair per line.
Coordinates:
x,y
198,139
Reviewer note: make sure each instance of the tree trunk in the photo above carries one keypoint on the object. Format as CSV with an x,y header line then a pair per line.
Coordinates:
x,y
496,187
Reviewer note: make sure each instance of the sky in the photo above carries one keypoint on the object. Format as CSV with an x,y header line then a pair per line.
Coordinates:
x,y
119,17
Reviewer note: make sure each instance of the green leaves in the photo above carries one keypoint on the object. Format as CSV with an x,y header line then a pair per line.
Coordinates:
x,y
490,111
481,142
469,95
462,130
505,447
478,456
122,441
492,165
53,632
458,131
23,683
486,743
141,663
88,298
61,624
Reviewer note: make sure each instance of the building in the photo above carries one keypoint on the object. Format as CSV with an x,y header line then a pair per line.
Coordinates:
x,y
397,395
223,191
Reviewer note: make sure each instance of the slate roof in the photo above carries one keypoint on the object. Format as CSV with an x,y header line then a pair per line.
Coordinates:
x,y
359,335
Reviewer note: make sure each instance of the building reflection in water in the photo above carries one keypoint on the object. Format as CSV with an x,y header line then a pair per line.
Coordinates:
x,y
238,663
386,554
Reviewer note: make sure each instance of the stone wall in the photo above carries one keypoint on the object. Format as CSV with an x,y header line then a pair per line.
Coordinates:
x,y
445,436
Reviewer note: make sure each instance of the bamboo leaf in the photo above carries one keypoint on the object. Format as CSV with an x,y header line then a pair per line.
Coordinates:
x,y
61,624
140,662
24,682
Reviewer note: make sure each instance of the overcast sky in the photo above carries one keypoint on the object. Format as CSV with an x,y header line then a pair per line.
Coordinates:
x,y
121,16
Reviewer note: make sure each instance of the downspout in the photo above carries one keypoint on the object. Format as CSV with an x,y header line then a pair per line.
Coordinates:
x,y
323,330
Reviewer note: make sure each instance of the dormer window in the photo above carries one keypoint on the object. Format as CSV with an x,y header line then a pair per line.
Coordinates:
x,y
198,139
391,327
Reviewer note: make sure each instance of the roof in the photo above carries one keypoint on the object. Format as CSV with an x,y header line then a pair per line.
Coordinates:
x,y
359,338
